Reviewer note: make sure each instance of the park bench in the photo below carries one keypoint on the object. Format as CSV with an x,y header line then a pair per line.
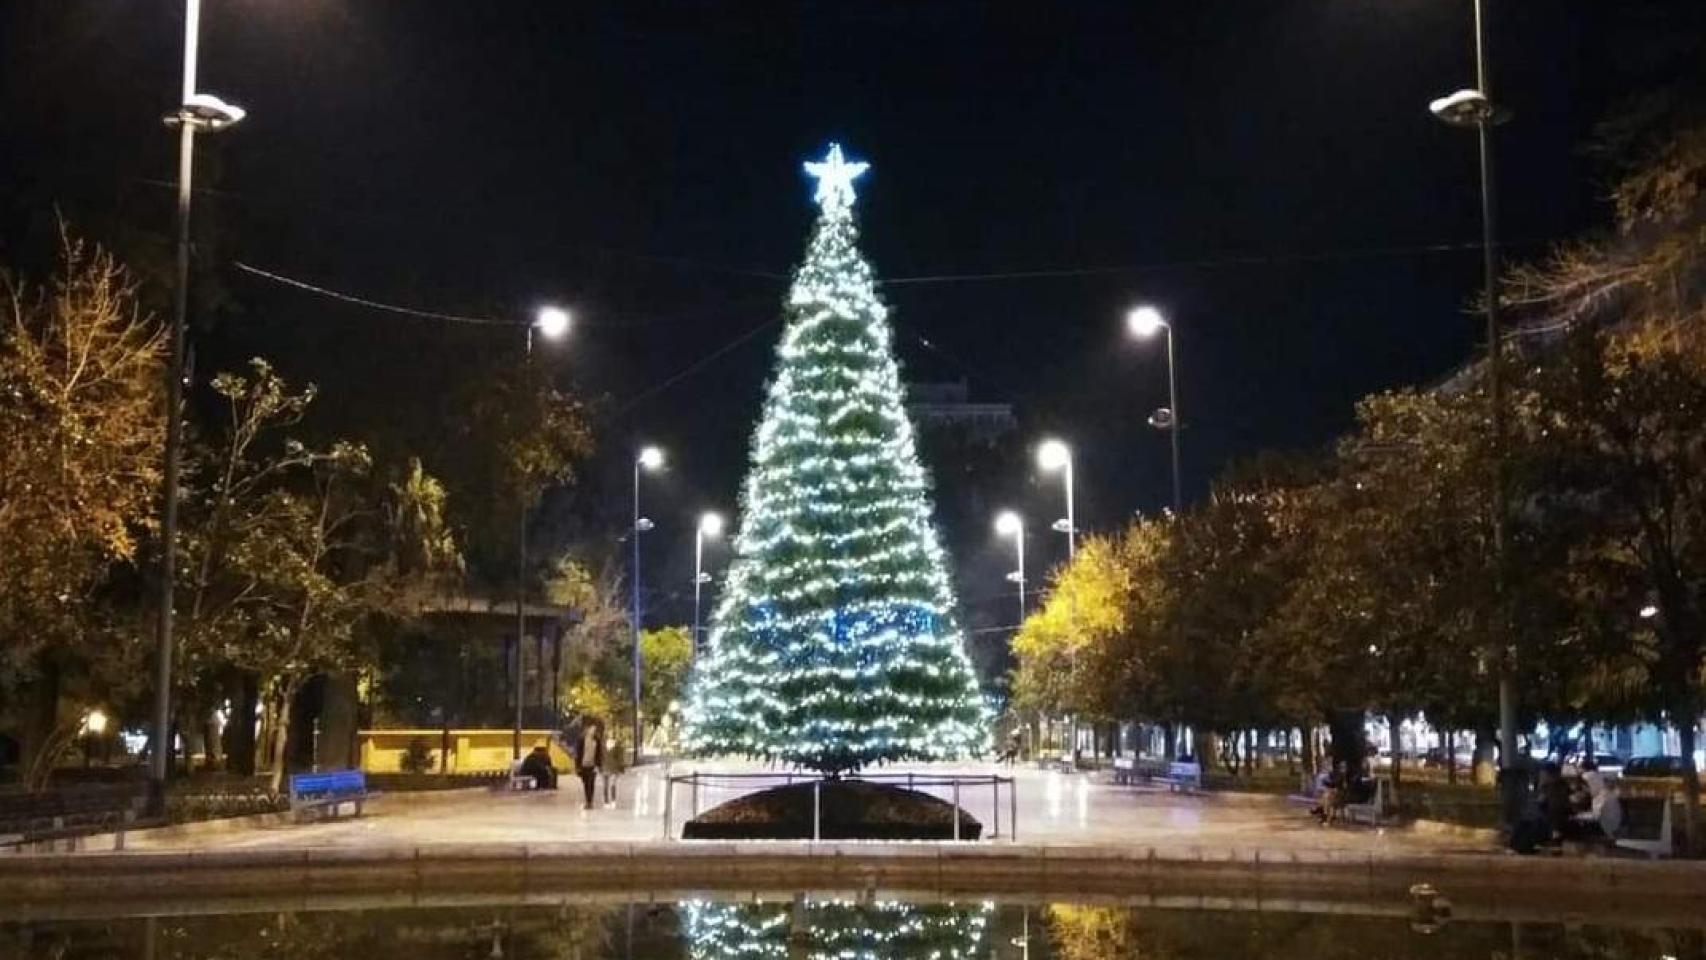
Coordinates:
x,y
31,818
1132,770
325,794
1373,811
1182,775
517,779
1646,826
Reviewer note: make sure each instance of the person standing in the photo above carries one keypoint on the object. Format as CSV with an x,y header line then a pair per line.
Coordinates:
x,y
616,764
589,757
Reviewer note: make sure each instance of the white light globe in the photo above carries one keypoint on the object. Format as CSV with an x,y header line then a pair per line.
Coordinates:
x,y
711,524
1144,321
1008,523
1053,454
651,458
552,322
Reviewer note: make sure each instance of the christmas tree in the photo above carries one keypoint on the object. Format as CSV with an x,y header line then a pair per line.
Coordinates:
x,y
835,644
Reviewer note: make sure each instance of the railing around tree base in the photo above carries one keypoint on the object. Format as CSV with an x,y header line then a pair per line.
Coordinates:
x,y
958,787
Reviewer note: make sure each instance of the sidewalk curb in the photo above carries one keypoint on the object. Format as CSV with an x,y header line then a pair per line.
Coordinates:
x,y
197,829
942,868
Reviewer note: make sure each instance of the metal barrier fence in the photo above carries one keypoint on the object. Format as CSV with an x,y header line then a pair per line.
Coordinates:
x,y
958,787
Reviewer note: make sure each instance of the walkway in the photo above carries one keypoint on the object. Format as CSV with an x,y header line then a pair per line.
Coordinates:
x,y
1055,809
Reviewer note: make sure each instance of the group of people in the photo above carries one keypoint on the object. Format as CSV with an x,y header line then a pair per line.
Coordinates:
x,y
595,755
1583,807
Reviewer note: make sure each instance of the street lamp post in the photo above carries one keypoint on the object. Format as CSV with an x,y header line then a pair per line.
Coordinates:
x,y
196,112
1053,455
649,458
1056,455
1475,108
1010,524
710,525
552,324
1145,322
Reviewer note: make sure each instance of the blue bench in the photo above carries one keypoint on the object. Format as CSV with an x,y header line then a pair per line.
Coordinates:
x,y
1183,776
325,794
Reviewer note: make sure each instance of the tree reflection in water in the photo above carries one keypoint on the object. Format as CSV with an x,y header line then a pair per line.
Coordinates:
x,y
834,930
1120,933
808,928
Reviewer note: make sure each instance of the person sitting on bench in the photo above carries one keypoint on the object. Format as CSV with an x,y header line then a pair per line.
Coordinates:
x,y
538,766
1330,795
1604,815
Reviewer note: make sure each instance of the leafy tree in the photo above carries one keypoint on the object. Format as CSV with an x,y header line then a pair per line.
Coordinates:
x,y
80,411
597,668
667,653
295,550
1626,457
504,438
1228,570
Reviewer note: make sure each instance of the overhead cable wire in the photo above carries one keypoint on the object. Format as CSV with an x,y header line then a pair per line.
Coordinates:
x,y
369,303
1205,263
693,367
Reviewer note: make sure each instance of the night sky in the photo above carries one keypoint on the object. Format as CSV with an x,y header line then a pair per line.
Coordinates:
x,y
1266,171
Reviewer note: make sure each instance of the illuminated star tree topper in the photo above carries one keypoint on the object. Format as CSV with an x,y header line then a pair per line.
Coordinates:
x,y
835,178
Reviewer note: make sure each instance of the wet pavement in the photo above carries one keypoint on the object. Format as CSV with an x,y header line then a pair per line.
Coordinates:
x,y
1052,808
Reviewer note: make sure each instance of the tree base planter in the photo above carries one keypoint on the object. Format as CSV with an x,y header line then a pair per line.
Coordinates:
x,y
847,810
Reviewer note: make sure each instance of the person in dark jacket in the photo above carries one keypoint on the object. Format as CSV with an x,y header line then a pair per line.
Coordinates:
x,y
589,757
538,766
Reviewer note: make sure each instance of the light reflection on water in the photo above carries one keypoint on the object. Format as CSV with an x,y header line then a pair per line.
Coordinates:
x,y
811,927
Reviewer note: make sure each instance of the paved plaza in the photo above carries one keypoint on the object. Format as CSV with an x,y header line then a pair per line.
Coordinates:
x,y
1053,808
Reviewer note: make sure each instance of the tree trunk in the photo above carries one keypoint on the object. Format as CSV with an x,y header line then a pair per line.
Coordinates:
x,y
280,732
240,725
1451,757
1687,732
40,701
1484,767
1169,750
1306,742
1205,749
1397,756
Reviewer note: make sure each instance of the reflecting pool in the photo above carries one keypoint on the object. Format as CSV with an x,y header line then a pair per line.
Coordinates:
x,y
842,927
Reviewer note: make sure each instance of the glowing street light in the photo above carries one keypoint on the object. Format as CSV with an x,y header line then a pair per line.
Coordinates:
x,y
1649,611
1055,455
95,723
553,324
710,525
197,112
1145,322
1010,524
649,458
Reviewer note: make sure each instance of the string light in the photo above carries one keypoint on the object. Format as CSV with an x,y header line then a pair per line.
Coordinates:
x,y
835,643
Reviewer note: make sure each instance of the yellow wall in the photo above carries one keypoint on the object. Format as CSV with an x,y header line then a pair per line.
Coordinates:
x,y
471,751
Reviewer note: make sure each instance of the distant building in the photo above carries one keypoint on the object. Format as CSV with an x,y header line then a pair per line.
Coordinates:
x,y
948,406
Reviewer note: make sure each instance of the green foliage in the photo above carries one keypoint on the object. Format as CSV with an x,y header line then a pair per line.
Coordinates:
x,y
667,653
294,550
80,386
